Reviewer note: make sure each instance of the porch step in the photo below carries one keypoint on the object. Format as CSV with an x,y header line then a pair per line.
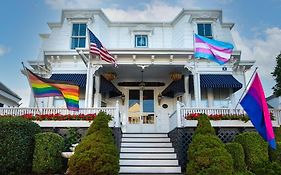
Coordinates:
x,y
147,140
147,154
143,144
144,135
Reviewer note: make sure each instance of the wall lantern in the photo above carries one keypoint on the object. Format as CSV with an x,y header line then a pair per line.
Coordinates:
x,y
175,76
109,76
159,98
123,99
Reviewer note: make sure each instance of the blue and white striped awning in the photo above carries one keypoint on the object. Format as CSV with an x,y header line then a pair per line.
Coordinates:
x,y
219,81
78,79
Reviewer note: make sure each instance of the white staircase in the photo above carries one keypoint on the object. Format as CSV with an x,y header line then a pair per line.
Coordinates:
x,y
147,154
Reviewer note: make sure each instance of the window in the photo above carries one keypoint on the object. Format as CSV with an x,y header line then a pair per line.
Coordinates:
x,y
78,37
205,30
141,41
221,98
1,105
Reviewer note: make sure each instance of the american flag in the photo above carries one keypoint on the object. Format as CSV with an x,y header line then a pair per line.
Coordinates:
x,y
97,48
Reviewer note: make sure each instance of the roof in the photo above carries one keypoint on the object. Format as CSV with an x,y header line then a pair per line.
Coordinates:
x,y
8,91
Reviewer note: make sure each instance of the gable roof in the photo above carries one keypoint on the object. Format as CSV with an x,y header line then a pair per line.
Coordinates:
x,y
8,91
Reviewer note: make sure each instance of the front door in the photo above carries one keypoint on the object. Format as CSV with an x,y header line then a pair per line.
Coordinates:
x,y
141,111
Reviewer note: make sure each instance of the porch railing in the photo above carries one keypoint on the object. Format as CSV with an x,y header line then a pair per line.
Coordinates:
x,y
15,111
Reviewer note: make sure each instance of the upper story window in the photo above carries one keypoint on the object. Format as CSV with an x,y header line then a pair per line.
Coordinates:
x,y
78,37
141,41
205,30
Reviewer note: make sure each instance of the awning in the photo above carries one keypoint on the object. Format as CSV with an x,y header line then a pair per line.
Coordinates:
x,y
174,88
216,81
79,79
108,87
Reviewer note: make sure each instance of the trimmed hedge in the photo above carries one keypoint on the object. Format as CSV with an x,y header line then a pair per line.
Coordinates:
x,y
204,126
237,154
277,132
255,149
275,155
96,153
17,144
268,168
47,157
208,155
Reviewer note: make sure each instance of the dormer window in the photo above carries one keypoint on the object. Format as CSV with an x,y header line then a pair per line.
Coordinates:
x,y
141,41
78,37
205,30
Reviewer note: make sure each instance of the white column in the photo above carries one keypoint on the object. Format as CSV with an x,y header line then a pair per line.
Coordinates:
x,y
197,89
116,115
97,99
187,96
179,121
87,85
90,89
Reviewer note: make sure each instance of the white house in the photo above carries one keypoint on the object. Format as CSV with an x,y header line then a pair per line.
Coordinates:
x,y
7,97
155,69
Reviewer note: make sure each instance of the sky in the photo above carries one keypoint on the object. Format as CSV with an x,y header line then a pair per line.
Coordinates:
x,y
257,30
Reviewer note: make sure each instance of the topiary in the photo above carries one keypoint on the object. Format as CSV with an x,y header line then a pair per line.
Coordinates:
x,y
101,121
255,149
47,157
277,132
204,126
275,155
237,154
96,153
208,155
17,144
268,168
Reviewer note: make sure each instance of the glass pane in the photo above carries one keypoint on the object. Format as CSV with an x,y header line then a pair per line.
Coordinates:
x,y
141,40
74,43
82,31
75,29
204,97
134,106
148,101
200,29
82,42
208,30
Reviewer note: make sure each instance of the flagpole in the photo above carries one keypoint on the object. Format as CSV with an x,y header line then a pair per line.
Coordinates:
x,y
32,91
246,87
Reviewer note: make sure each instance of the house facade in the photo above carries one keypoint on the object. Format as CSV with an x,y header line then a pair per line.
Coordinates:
x,y
156,67
8,98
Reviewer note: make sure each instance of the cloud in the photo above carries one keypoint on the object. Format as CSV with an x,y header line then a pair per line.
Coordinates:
x,y
264,51
3,50
70,4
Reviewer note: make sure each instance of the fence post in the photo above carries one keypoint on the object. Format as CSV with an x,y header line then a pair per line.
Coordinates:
x,y
179,114
116,115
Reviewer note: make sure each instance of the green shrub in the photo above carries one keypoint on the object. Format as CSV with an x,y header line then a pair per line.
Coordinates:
x,y
277,132
16,145
101,121
268,168
244,173
208,155
96,153
255,149
238,156
204,126
275,155
47,157
72,137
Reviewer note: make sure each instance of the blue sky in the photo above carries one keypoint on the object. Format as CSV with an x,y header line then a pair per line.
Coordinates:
x,y
257,30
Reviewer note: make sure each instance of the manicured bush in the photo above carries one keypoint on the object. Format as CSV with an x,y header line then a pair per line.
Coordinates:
x,y
204,126
275,155
244,173
238,156
96,153
277,132
16,145
207,155
47,157
255,149
268,168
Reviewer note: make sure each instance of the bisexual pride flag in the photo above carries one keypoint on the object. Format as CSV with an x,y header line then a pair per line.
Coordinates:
x,y
254,103
211,49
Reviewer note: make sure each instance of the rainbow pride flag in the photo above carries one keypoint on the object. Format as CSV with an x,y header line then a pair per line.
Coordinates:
x,y
43,87
254,103
211,49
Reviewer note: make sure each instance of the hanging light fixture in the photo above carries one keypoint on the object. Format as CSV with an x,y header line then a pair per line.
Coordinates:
x,y
142,84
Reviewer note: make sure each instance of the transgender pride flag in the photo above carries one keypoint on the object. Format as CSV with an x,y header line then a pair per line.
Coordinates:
x,y
255,105
214,50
